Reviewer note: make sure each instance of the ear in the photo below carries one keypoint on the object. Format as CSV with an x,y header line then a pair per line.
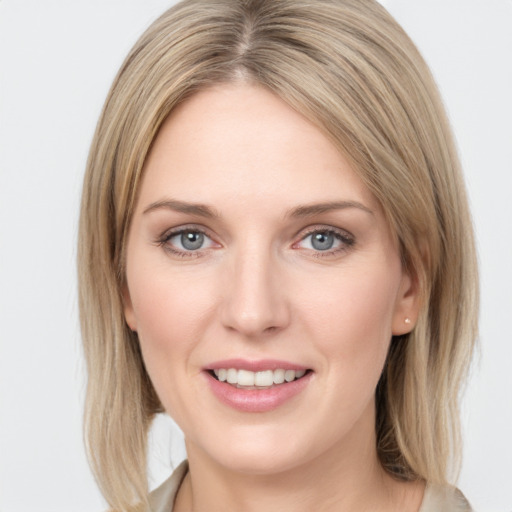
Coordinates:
x,y
407,305
129,313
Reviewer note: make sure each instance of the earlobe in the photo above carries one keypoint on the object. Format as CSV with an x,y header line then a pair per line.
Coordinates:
x,y
407,306
129,313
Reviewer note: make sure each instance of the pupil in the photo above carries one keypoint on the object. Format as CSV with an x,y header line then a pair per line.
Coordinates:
x,y
192,240
322,241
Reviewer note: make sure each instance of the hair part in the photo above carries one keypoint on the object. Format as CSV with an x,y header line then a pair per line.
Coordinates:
x,y
348,67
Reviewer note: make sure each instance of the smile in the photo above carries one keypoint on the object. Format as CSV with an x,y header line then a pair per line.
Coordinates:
x,y
257,386
246,379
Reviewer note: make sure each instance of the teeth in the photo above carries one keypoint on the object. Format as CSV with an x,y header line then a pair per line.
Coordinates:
x,y
232,376
264,379
289,375
278,376
245,378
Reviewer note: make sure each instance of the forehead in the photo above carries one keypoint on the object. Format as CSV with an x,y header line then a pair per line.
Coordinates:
x,y
240,141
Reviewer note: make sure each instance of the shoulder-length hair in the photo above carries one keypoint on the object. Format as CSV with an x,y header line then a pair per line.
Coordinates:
x,y
347,66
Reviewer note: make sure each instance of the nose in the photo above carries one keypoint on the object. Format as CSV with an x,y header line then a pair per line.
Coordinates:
x,y
254,300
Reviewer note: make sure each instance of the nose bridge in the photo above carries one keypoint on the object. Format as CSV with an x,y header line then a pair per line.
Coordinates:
x,y
254,300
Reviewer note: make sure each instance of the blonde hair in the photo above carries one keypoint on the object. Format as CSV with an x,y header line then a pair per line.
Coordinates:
x,y
349,67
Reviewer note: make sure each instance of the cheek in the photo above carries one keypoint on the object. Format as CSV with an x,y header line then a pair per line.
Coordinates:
x,y
170,311
351,315
163,312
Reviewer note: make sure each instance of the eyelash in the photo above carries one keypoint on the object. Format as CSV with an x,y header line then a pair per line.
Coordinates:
x,y
346,239
163,241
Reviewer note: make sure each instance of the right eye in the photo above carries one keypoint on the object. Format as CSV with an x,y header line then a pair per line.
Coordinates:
x,y
187,242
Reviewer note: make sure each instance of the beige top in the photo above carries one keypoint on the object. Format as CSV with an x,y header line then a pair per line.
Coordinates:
x,y
436,499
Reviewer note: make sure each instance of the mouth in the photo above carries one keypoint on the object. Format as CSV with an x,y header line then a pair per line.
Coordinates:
x,y
257,385
257,380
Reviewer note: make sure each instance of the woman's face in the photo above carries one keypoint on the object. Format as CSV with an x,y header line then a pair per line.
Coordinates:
x,y
257,254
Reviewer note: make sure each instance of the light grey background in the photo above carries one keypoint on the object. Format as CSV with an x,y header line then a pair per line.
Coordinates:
x,y
57,60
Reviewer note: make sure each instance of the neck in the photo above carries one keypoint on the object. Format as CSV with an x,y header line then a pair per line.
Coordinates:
x,y
345,478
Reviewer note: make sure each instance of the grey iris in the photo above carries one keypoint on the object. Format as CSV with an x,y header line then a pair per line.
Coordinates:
x,y
192,240
322,241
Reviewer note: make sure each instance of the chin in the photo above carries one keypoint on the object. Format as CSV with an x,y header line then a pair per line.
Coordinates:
x,y
260,453
254,462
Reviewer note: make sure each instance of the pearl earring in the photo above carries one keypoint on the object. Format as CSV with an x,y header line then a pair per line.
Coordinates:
x,y
407,320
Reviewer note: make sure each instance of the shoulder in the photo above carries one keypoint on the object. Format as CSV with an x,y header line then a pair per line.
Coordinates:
x,y
162,498
444,499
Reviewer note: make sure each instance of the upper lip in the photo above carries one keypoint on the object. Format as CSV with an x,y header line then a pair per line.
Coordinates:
x,y
255,365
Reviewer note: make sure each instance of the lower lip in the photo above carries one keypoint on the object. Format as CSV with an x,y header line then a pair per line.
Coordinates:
x,y
257,400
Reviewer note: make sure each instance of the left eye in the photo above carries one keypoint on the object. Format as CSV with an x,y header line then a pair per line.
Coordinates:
x,y
324,241
189,240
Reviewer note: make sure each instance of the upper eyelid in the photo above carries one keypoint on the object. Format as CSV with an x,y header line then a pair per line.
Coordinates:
x,y
170,232
319,228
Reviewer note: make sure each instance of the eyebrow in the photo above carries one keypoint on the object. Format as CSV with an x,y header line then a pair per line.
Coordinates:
x,y
301,211
198,209
315,209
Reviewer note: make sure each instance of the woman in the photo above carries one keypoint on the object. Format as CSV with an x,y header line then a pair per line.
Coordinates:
x,y
276,250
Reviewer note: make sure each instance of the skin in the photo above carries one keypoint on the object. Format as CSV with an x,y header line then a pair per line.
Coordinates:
x,y
258,289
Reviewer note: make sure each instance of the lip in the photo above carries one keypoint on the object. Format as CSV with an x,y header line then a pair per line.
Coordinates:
x,y
256,400
255,366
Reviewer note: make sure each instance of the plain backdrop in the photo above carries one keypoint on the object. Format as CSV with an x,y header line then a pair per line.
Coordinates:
x,y
57,60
